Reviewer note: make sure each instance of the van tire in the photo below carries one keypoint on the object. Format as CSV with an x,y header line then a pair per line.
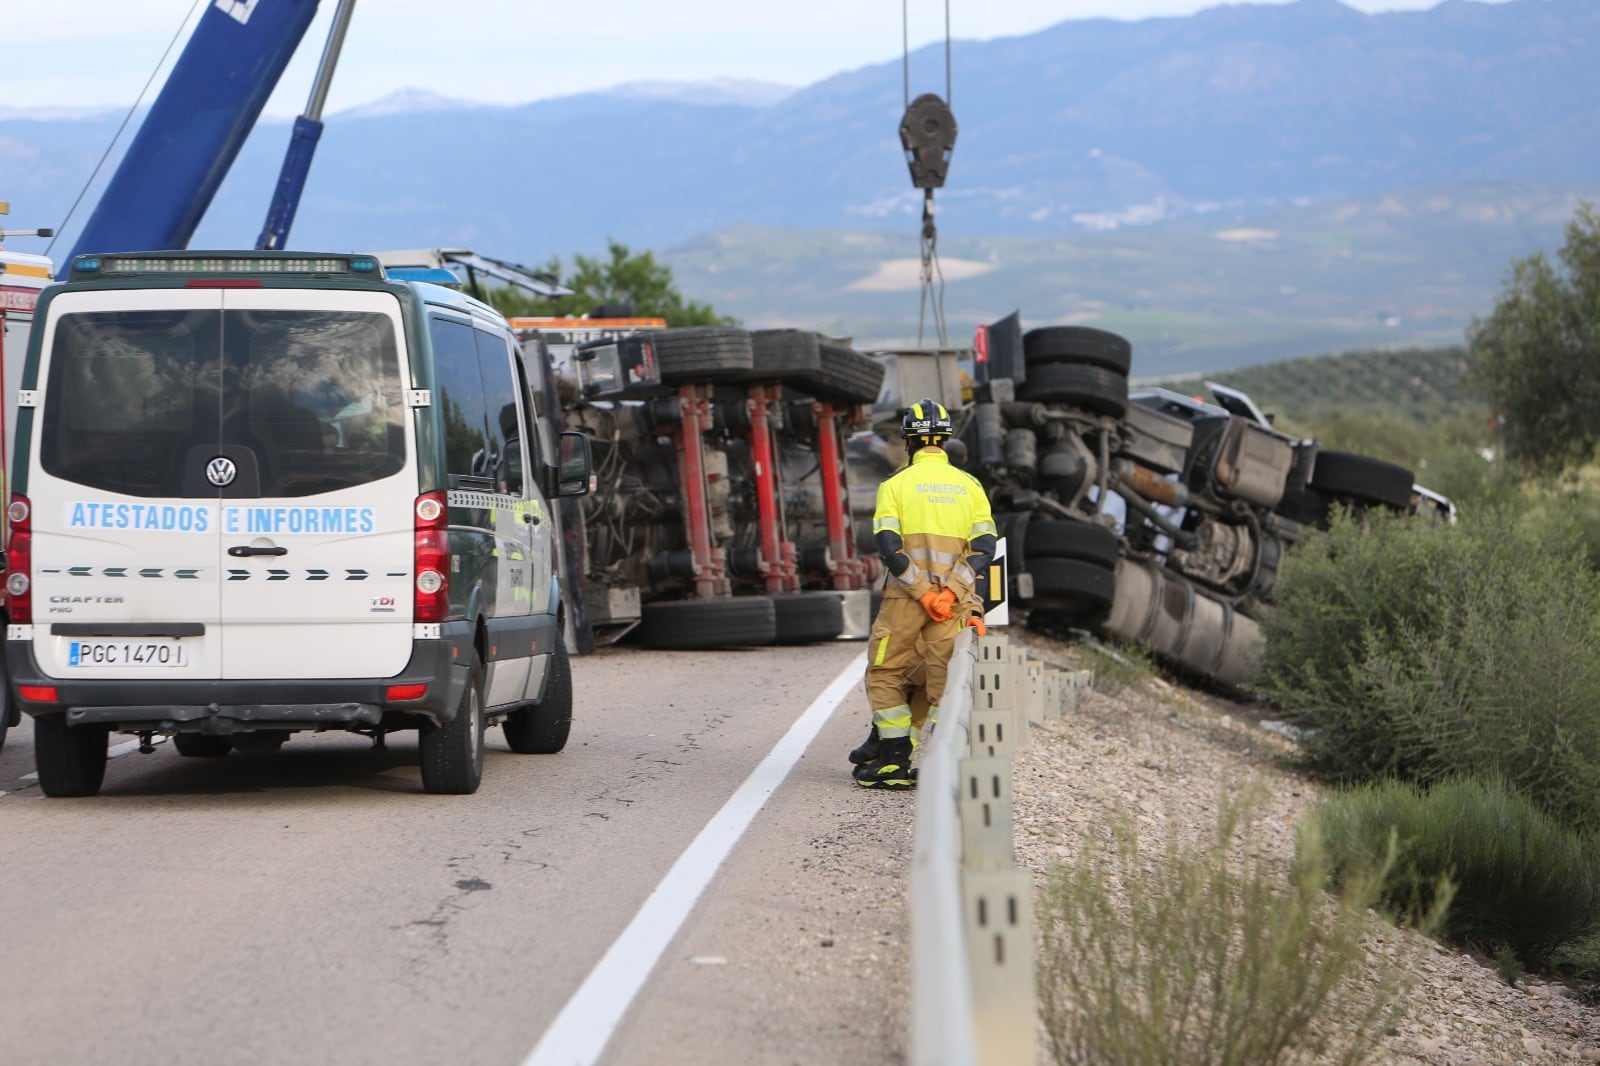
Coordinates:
x,y
200,746
542,728
696,625
71,760
451,754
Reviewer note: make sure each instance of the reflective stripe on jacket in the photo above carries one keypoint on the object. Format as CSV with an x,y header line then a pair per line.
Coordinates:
x,y
937,510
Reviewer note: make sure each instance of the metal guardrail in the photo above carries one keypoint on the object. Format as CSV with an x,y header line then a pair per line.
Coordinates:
x,y
972,959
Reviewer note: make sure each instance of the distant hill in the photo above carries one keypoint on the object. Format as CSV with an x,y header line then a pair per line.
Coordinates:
x,y
1414,385
1194,295
1087,125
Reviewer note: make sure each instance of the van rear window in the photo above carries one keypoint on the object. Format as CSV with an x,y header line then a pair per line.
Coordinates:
x,y
135,398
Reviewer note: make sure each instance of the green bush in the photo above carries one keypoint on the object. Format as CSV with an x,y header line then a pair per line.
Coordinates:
x,y
1201,957
1428,653
1521,880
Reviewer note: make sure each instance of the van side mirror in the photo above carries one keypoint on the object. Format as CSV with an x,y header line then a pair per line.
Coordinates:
x,y
575,475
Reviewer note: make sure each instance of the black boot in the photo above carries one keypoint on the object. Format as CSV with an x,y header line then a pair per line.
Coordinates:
x,y
892,767
868,749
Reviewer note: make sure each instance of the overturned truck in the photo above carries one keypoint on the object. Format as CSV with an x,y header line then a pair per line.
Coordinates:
x,y
1150,516
721,513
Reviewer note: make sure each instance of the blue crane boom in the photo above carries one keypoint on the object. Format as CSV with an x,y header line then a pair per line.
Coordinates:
x,y
197,125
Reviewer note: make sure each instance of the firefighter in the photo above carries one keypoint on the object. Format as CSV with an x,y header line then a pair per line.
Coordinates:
x,y
936,534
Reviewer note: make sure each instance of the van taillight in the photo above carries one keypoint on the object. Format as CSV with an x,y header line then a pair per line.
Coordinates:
x,y
19,562
431,592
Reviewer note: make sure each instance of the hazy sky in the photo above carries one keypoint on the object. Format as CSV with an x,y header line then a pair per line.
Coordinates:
x,y
80,53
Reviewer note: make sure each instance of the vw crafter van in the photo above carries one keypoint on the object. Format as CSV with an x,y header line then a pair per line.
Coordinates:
x,y
256,494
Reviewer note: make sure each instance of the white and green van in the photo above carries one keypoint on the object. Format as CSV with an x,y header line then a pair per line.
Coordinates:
x,y
258,493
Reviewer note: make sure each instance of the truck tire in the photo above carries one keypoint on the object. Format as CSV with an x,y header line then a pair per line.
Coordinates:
x,y
778,353
451,754
696,354
1093,388
200,746
1076,344
1346,476
808,617
542,728
71,760
696,625
1072,540
1085,586
843,375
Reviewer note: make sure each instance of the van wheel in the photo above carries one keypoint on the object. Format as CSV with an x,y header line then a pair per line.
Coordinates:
x,y
71,760
451,755
542,728
200,746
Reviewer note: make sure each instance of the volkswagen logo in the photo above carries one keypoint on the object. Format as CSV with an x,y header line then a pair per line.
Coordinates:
x,y
221,471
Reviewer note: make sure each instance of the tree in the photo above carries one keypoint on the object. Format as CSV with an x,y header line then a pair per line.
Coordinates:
x,y
637,282
1537,356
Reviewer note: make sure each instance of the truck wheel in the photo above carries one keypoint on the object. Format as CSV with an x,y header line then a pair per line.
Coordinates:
x,y
1344,475
694,625
1083,586
1094,388
200,746
807,617
1072,540
780,352
71,760
542,728
1076,344
451,755
842,374
702,353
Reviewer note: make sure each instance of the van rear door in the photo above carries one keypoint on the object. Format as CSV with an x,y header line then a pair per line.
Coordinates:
x,y
316,567
125,566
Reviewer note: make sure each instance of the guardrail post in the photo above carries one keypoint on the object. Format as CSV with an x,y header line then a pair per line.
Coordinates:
x,y
985,808
999,912
993,731
1052,694
1076,682
1033,687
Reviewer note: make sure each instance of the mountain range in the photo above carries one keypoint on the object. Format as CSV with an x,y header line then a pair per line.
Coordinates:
x,y
1088,128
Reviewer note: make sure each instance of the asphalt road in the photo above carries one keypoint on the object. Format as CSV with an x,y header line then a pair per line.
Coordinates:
x,y
314,906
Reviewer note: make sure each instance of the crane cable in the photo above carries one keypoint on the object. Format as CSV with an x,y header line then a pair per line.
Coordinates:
x,y
931,273
125,120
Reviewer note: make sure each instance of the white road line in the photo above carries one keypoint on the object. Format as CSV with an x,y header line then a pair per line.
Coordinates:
x,y
580,1032
125,748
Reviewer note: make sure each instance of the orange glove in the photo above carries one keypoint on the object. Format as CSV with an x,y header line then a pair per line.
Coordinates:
x,y
939,603
976,622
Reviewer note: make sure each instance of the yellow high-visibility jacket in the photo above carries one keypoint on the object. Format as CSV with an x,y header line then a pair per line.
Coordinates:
x,y
937,509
